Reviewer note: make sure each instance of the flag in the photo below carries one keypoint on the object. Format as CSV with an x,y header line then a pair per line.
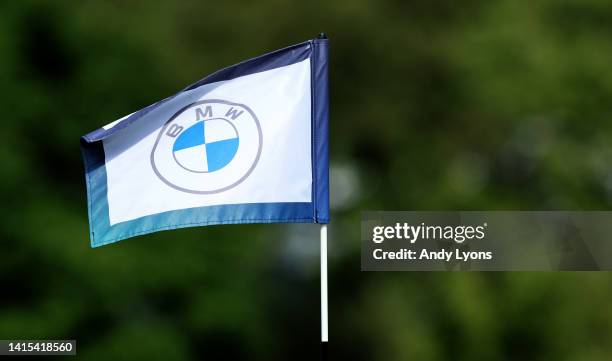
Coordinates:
x,y
246,144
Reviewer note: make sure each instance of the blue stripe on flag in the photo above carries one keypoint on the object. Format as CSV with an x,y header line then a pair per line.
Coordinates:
x,y
320,130
102,233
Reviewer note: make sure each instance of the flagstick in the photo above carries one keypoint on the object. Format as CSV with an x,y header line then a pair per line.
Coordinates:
x,y
324,335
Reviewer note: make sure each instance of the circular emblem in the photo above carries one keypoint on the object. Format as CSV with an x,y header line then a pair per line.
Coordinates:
x,y
207,147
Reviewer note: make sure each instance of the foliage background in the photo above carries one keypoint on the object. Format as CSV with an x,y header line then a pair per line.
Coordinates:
x,y
471,105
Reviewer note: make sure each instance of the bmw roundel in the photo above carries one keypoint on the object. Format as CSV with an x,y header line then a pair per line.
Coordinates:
x,y
207,147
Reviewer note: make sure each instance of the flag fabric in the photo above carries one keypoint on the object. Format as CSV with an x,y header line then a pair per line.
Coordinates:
x,y
246,144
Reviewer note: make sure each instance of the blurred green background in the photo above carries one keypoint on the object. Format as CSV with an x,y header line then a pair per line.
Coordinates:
x,y
446,105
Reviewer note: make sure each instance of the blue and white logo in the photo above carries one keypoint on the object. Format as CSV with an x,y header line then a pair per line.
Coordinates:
x,y
207,147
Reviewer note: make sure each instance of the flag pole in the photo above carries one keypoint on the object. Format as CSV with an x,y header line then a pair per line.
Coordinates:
x,y
324,329
323,236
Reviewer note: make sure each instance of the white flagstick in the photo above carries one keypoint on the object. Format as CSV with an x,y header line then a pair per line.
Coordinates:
x,y
324,336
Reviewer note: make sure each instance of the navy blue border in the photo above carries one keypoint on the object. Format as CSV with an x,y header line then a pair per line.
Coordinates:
x,y
320,130
276,59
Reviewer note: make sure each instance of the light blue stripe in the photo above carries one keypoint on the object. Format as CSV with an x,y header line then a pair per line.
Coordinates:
x,y
102,233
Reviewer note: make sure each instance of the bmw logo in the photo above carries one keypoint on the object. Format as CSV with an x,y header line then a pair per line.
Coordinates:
x,y
207,147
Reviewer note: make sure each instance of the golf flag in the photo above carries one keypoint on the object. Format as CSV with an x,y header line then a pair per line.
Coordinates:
x,y
246,144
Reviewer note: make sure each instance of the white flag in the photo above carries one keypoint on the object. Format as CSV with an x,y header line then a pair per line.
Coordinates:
x,y
247,144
